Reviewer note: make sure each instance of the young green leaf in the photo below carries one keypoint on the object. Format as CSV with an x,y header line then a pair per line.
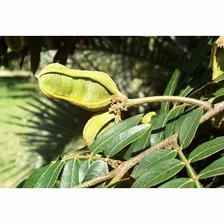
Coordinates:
x,y
45,177
189,127
152,160
170,89
139,144
207,149
98,144
118,142
214,169
96,169
159,173
179,183
70,177
219,92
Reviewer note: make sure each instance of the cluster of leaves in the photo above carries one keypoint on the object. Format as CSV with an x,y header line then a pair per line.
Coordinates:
x,y
77,166
198,152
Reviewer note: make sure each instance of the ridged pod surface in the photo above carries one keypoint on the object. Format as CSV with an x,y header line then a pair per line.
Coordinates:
x,y
91,90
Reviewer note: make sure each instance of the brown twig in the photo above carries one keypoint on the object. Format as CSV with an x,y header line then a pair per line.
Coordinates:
x,y
120,171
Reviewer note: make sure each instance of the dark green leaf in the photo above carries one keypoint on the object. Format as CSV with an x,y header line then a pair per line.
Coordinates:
x,y
214,169
158,123
197,55
152,160
173,118
207,149
170,89
96,169
189,127
70,174
159,173
179,183
96,147
139,144
45,177
118,142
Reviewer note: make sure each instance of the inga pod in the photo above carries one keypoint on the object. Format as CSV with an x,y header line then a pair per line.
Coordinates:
x,y
148,117
15,43
95,124
91,90
217,58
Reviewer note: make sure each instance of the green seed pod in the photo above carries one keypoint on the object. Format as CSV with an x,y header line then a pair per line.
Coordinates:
x,y
91,90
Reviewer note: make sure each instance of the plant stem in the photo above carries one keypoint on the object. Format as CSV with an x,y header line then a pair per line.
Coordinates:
x,y
112,162
190,169
206,105
117,173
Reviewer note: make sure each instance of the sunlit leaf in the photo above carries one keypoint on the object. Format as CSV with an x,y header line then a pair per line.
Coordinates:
x,y
151,160
173,117
96,169
118,142
45,177
189,127
83,170
98,144
219,92
179,183
139,144
214,169
70,177
207,149
159,173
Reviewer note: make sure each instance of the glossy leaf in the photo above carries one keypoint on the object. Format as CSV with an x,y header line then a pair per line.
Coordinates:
x,y
158,123
207,149
45,177
214,169
173,118
70,177
83,170
118,142
98,144
189,127
170,89
139,144
159,173
151,160
96,169
179,183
